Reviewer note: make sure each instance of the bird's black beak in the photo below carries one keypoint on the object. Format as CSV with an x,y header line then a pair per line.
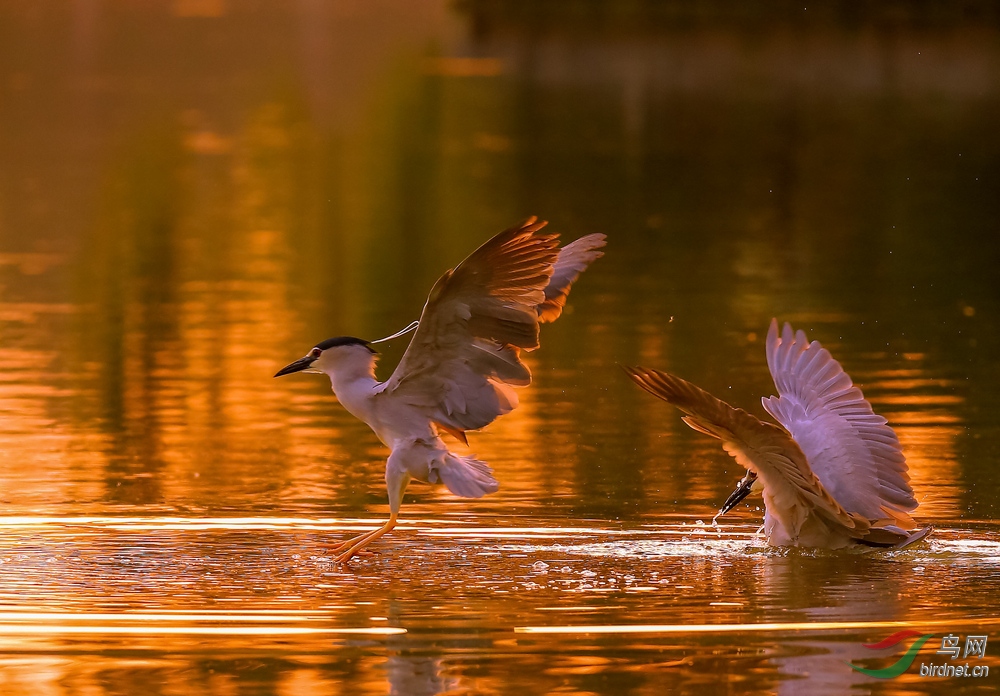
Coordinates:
x,y
743,489
297,366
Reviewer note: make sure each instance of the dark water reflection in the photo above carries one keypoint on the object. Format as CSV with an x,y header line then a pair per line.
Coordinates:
x,y
177,224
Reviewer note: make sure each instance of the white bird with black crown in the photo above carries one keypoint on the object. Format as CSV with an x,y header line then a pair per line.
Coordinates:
x,y
460,369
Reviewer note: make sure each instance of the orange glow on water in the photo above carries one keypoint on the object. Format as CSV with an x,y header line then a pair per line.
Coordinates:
x,y
739,628
176,225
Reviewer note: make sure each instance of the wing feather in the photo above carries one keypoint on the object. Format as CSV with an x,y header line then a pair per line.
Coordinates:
x,y
572,261
853,451
465,356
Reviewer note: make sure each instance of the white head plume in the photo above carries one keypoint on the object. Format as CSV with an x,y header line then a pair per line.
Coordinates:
x,y
402,332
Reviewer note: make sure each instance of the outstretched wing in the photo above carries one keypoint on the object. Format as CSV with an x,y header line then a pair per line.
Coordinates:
x,y
464,358
572,261
791,491
852,450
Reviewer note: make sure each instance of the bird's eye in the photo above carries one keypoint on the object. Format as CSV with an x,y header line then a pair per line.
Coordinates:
x,y
315,353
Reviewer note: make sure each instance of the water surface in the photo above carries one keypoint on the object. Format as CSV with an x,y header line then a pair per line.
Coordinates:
x,y
192,193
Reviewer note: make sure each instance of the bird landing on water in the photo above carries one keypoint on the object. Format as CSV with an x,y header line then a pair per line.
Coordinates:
x,y
832,475
462,364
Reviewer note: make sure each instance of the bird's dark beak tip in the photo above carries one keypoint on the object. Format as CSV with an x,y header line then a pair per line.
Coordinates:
x,y
297,366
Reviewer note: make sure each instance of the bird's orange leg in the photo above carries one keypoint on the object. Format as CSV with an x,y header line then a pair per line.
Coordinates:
x,y
362,541
396,480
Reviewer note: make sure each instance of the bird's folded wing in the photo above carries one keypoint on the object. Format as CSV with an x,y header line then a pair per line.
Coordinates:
x,y
572,261
852,450
758,446
464,357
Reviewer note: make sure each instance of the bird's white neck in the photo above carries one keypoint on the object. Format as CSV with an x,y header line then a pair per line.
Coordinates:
x,y
352,377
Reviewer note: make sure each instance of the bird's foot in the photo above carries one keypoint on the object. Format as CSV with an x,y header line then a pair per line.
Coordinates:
x,y
347,555
355,545
337,547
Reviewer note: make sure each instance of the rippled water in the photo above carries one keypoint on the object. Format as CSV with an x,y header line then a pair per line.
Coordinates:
x,y
177,225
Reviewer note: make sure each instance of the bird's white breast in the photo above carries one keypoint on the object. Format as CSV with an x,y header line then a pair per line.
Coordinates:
x,y
392,420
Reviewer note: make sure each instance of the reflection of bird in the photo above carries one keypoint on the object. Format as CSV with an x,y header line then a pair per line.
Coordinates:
x,y
833,475
458,372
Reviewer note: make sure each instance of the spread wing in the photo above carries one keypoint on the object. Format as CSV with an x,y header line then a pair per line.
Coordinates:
x,y
792,492
852,450
572,261
464,358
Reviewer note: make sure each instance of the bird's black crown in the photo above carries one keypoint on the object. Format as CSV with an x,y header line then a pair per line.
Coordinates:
x,y
344,341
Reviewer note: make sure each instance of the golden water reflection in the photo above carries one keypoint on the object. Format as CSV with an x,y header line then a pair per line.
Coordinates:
x,y
585,600
175,226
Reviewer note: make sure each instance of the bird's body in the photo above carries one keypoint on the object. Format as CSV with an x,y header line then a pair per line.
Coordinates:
x,y
461,365
833,474
417,449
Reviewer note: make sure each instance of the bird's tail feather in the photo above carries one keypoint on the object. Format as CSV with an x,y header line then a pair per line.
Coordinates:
x,y
465,476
